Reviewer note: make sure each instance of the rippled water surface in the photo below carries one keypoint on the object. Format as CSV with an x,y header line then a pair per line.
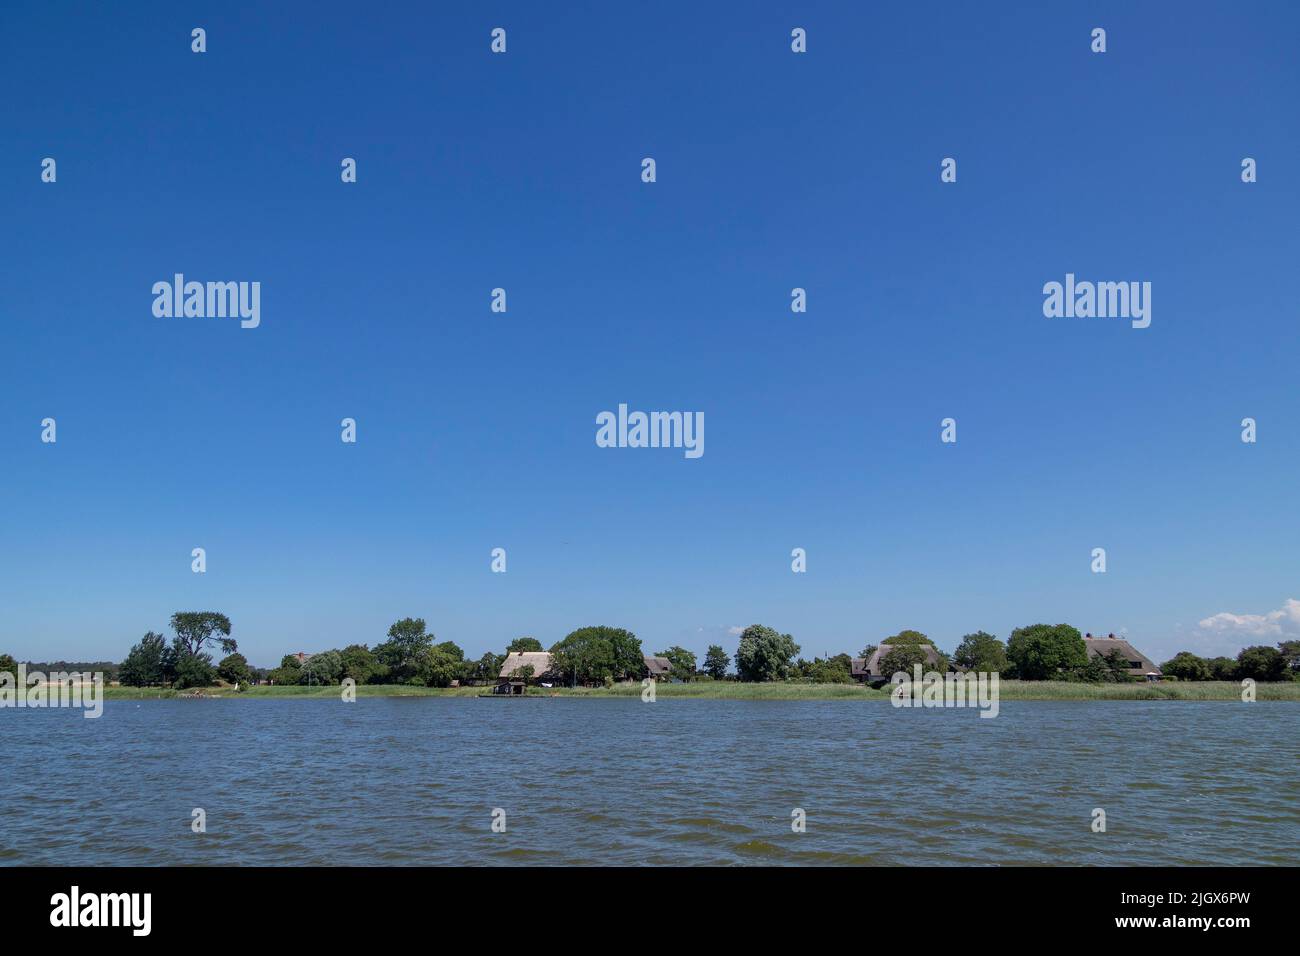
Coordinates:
x,y
616,781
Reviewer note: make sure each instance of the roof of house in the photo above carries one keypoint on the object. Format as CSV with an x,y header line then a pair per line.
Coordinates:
x,y
1101,646
515,660
658,665
870,666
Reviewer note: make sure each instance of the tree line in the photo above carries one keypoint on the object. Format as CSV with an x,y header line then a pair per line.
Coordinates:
x,y
592,656
1260,663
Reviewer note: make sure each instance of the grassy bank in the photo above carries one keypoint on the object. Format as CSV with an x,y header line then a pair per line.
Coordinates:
x,y
730,690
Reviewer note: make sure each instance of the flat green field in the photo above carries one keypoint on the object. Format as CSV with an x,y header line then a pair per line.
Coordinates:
x,y
731,690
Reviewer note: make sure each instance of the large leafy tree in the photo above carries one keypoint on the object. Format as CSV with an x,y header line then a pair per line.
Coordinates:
x,y
629,658
288,672
194,629
683,662
438,666
235,670
591,655
1291,651
524,644
1046,651
325,667
451,649
489,666
8,665
831,670
1222,668
903,657
716,662
144,664
194,670
1186,666
1262,663
764,654
187,662
409,641
578,660
981,651
410,635
359,663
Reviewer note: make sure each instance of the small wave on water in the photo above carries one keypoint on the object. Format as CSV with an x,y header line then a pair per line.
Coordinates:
x,y
709,825
758,848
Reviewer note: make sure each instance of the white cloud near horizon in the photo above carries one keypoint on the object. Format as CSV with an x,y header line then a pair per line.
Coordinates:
x,y
1284,622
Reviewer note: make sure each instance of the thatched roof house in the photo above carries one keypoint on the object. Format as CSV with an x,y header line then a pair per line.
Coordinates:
x,y
1139,665
868,668
658,666
518,660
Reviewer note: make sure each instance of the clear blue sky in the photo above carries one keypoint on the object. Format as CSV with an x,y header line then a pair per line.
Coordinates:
x,y
775,170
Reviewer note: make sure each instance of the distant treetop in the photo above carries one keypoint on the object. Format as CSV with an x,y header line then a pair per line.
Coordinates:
x,y
908,637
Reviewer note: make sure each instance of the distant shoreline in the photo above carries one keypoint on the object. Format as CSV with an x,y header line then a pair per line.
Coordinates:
x,y
733,690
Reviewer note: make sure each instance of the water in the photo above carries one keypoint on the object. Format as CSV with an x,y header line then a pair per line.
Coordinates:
x,y
616,781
